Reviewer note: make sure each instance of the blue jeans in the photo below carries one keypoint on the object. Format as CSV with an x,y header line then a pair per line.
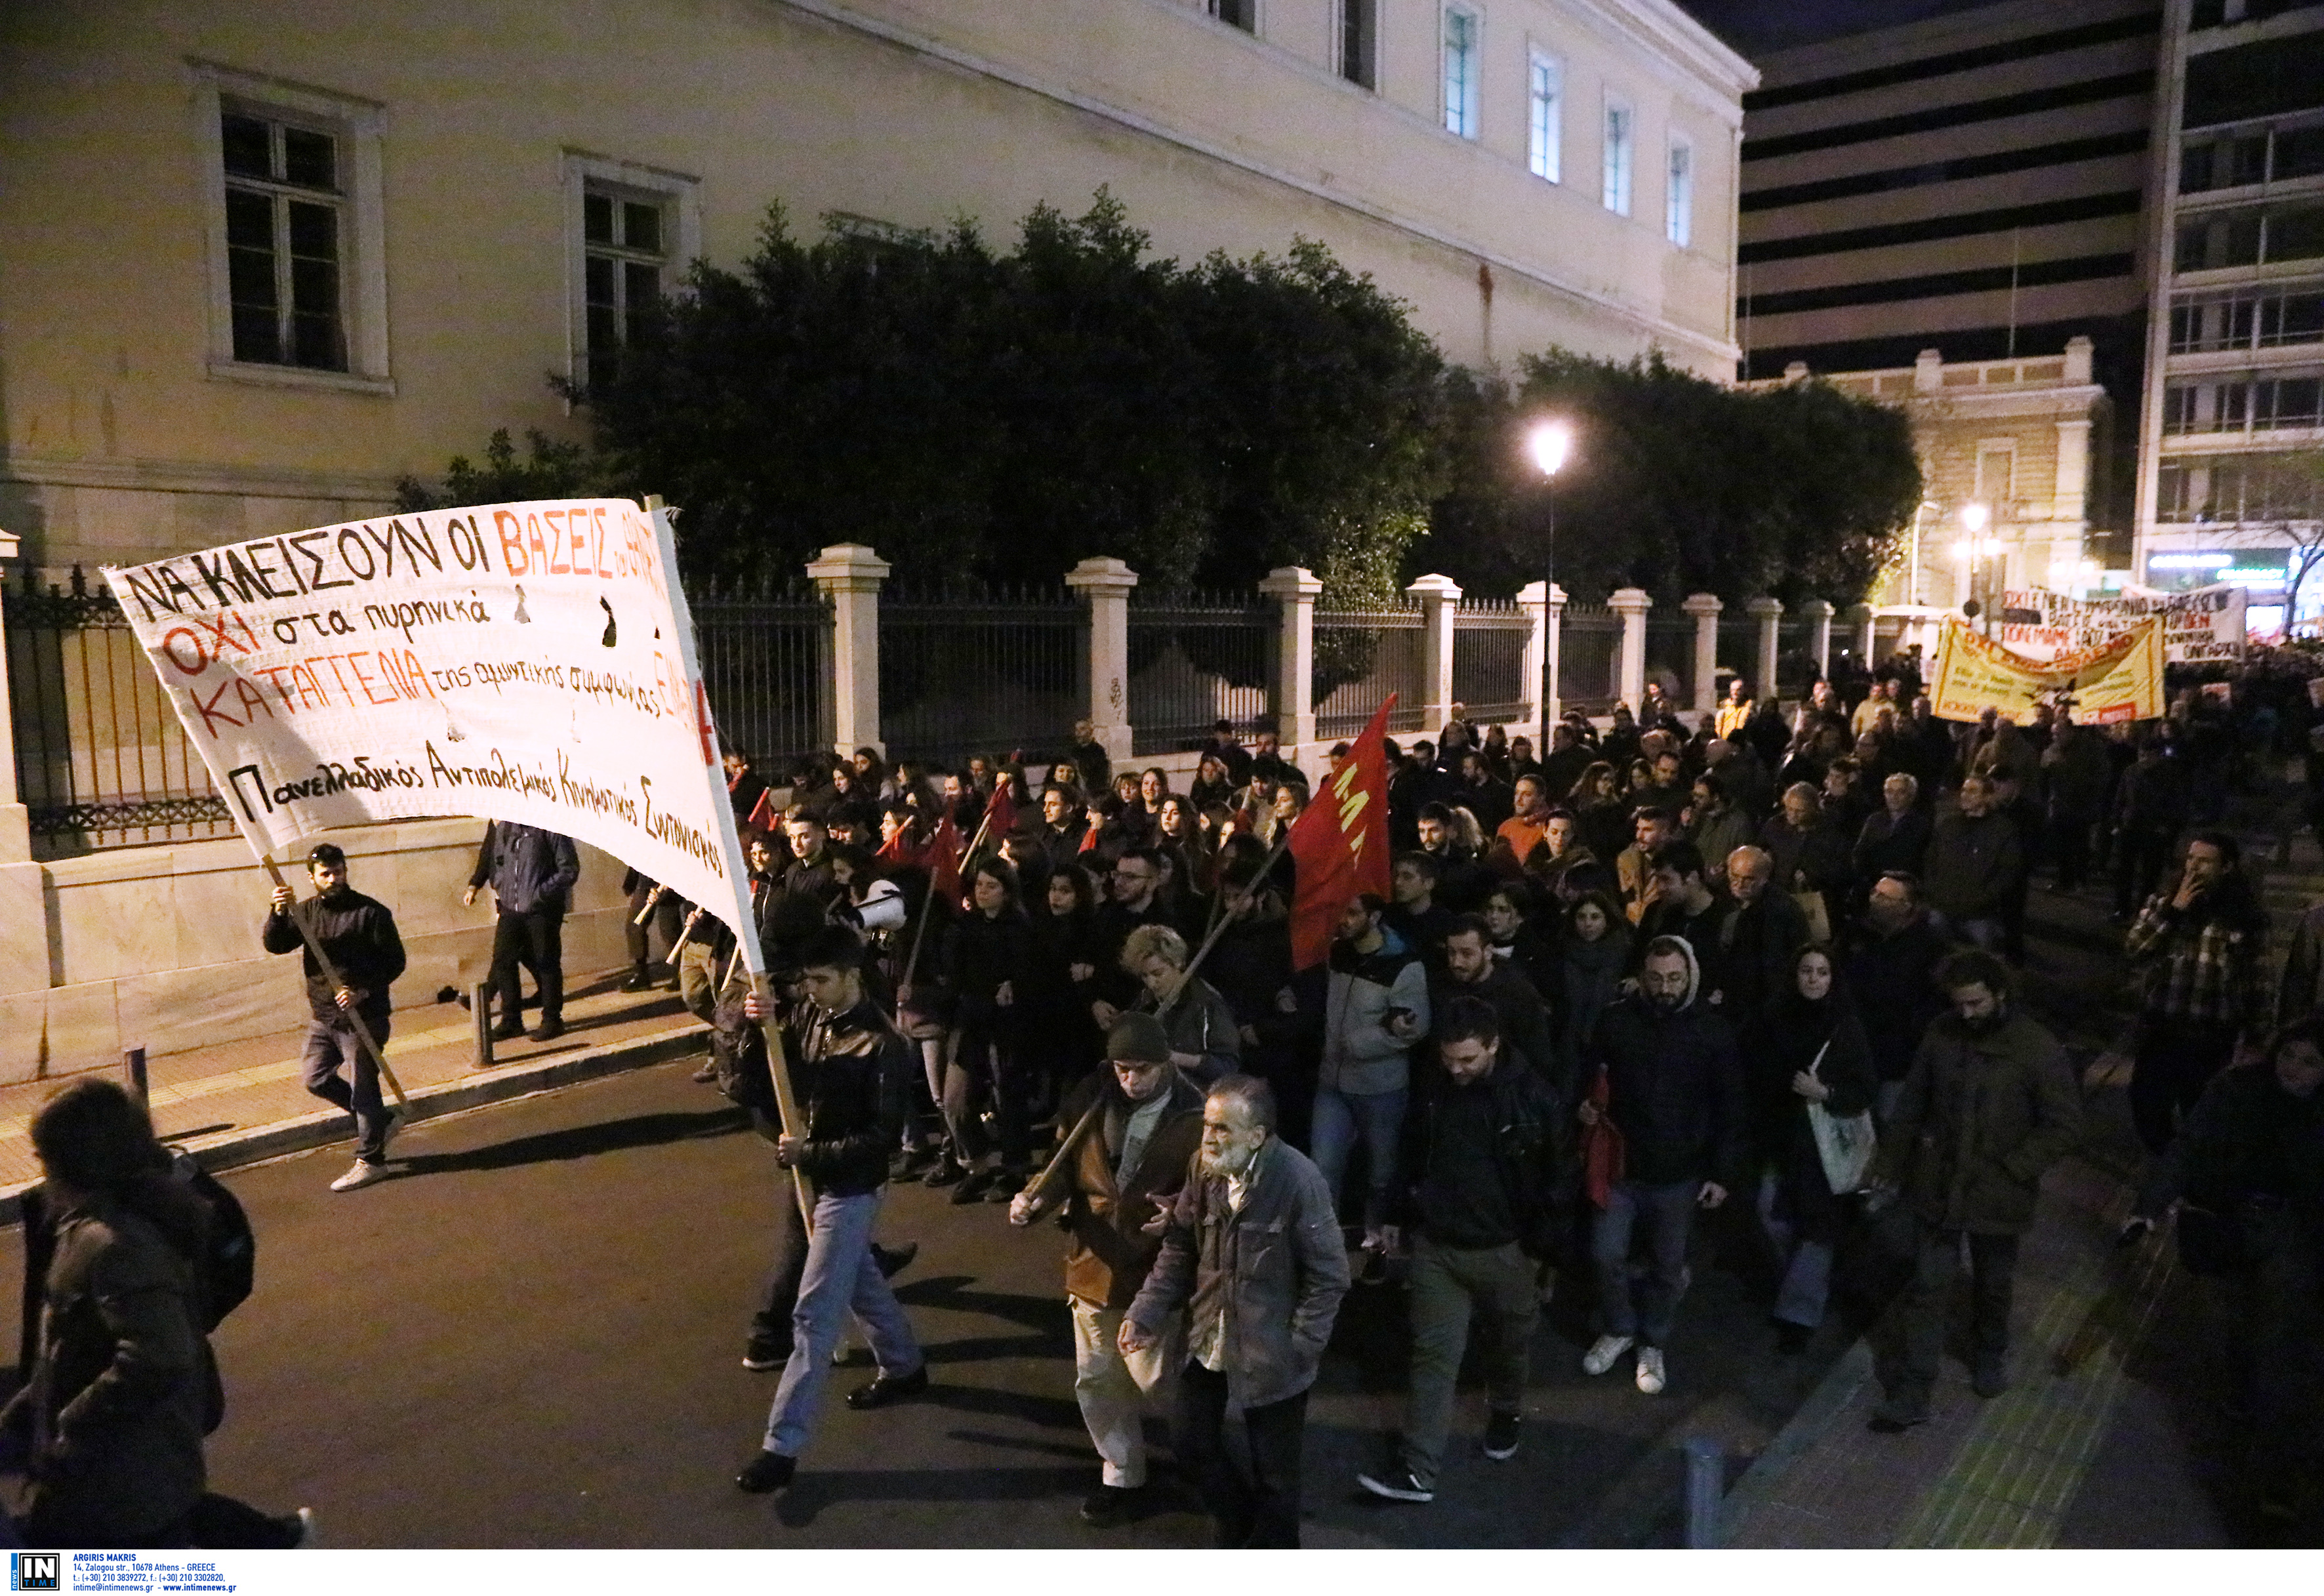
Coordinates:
x,y
1806,1261
840,1274
1669,1212
333,1046
1340,1118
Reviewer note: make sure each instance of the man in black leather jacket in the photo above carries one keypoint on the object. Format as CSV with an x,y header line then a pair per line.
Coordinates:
x,y
850,1089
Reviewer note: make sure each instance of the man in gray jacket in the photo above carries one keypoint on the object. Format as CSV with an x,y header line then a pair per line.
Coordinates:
x,y
1375,1008
1252,1252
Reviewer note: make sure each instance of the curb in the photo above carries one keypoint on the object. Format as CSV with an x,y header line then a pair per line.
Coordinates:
x,y
1825,1404
230,1149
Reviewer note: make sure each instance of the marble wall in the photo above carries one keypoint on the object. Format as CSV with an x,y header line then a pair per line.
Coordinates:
x,y
158,947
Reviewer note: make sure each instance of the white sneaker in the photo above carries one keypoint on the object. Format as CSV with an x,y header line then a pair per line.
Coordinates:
x,y
305,1517
1602,1354
361,1175
1651,1375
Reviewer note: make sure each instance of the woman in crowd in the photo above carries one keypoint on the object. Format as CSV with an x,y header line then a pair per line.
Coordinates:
x,y
1515,943
1601,812
1807,1047
1593,954
1212,783
1060,1039
986,952
1178,833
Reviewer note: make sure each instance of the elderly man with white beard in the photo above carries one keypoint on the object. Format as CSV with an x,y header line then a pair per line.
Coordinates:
x,y
1254,1255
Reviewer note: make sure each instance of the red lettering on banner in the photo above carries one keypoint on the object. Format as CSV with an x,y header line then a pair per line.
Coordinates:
x,y
532,540
702,726
309,686
273,673
512,543
253,701
210,712
362,677
597,532
170,651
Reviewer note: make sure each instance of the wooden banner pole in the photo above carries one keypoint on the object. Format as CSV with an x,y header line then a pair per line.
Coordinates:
x,y
331,974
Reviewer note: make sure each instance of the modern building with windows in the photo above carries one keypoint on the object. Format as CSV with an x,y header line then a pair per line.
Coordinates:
x,y
260,259
2232,479
1978,183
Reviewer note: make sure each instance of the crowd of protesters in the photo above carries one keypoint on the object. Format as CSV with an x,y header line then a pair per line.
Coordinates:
x,y
1615,985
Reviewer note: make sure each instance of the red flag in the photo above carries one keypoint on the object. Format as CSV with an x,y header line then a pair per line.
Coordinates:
x,y
899,849
1002,809
764,815
942,857
1340,844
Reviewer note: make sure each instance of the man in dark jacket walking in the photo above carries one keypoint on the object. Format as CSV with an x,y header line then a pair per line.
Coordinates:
x,y
2200,948
850,1087
1891,973
531,872
1674,1091
357,935
1470,970
1122,1176
1253,1254
1482,1154
1989,1105
1976,865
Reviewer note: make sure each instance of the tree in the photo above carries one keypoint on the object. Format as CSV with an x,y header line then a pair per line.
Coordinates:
x,y
551,470
1676,484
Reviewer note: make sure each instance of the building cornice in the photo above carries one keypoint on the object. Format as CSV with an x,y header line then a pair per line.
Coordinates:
x,y
188,477
837,14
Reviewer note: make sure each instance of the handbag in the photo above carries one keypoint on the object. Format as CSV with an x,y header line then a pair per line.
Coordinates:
x,y
1845,1144
1602,1152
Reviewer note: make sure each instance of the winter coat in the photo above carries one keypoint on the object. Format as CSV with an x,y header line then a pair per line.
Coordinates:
x,y
1893,981
530,870
1674,1089
981,953
1359,1055
1526,1038
1526,1152
1981,1118
357,935
1750,961
1892,842
1271,1276
1788,1038
1198,1021
1111,1254
123,1388
1589,978
1974,866
850,1083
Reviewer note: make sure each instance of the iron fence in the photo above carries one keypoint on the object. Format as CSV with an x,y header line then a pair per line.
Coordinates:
x,y
1197,659
1795,667
765,648
1488,661
1589,642
101,759
991,672
1738,647
1362,656
1670,654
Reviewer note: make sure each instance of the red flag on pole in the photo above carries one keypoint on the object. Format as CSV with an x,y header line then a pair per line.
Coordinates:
x,y
1340,844
942,857
1002,807
764,815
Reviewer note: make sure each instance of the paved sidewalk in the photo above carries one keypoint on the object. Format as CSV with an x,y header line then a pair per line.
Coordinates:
x,y
2114,1434
242,1101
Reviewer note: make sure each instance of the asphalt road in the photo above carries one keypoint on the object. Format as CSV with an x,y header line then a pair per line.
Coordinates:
x,y
532,1337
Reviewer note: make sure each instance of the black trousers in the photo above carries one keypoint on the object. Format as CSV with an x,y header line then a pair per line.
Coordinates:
x,y
537,942
1259,1510
2070,844
1993,1270
2141,854
2175,1060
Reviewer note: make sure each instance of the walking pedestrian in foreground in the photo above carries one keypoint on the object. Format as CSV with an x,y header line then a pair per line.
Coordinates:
x,y
849,1085
1116,1189
357,935
1252,1253
1483,1138
1990,1104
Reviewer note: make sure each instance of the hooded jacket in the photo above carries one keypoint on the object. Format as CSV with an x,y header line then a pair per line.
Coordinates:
x,y
1359,1055
1674,1088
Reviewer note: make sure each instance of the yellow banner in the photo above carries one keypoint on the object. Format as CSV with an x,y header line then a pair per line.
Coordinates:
x,y
2119,682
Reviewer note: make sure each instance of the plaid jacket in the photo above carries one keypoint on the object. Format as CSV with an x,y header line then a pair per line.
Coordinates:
x,y
2193,967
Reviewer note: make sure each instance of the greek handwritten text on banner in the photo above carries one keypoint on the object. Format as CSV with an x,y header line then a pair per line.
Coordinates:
x,y
2206,624
2122,681
531,662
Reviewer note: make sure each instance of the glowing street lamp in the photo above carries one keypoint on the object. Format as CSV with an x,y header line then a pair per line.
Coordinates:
x,y
1549,443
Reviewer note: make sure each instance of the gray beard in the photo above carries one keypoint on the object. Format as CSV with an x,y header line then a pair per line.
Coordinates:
x,y
1232,1164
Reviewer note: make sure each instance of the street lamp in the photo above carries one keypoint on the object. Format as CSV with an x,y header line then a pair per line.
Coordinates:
x,y
1549,443
1974,518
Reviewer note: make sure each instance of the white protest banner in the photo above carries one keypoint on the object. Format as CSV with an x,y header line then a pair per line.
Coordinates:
x,y
531,662
2204,624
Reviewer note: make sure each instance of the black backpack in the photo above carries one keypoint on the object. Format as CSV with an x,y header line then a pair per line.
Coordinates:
x,y
229,1268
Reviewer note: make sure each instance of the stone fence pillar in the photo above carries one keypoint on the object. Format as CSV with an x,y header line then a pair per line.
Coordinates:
x,y
1767,612
1705,607
1104,585
1539,666
850,576
1440,606
16,827
1630,665
1296,588
1818,613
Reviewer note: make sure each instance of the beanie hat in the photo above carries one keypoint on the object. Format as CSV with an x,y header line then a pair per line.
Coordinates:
x,y
1138,1038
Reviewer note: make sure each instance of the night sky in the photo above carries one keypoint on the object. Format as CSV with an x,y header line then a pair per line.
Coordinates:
x,y
1757,26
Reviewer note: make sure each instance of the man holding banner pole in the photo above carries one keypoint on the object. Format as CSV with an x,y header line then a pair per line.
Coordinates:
x,y
351,954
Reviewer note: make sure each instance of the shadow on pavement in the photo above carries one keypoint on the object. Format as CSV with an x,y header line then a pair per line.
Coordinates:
x,y
580,1141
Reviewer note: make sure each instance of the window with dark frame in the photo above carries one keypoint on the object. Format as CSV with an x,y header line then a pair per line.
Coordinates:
x,y
625,251
286,225
1359,41
1237,14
